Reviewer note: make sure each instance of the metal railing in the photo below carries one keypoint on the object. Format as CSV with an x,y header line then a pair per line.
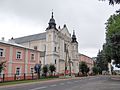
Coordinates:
x,y
21,76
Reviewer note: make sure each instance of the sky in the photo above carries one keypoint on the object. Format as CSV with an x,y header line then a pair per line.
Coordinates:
x,y
87,17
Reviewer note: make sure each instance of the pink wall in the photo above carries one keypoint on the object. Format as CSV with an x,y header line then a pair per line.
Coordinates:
x,y
18,62
86,59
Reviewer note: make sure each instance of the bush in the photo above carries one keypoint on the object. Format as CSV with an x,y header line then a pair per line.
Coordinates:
x,y
52,69
45,70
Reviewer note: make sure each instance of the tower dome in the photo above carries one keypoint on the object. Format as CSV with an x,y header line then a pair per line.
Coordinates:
x,y
52,24
74,37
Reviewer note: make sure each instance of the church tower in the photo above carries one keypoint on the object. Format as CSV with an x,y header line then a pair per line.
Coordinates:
x,y
52,54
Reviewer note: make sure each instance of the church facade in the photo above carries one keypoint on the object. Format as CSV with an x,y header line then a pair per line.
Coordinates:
x,y
59,46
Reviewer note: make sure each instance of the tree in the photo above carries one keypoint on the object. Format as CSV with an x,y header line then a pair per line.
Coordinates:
x,y
87,70
112,2
96,70
101,62
113,38
2,65
52,68
45,70
83,68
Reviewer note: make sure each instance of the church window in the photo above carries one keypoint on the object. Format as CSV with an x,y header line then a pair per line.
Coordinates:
x,y
55,49
65,47
55,61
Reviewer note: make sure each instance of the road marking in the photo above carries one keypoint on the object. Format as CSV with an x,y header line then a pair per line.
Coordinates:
x,y
61,83
38,88
53,85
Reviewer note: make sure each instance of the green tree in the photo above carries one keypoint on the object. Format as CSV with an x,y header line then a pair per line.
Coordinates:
x,y
113,38
96,70
52,68
2,65
45,70
101,62
83,68
112,2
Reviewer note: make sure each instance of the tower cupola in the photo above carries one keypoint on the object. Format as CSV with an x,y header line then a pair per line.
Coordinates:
x,y
52,24
74,40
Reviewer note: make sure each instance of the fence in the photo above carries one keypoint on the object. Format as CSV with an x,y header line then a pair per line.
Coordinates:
x,y
21,76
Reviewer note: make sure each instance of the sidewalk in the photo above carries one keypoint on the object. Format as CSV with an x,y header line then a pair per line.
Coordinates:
x,y
115,77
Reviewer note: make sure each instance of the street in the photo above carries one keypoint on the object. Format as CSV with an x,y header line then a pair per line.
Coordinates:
x,y
88,83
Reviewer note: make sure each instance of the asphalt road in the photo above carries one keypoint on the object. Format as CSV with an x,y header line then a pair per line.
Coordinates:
x,y
89,83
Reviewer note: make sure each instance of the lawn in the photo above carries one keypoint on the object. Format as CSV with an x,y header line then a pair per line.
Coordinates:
x,y
24,81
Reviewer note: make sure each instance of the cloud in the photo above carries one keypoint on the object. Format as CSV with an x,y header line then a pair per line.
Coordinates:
x,y
87,18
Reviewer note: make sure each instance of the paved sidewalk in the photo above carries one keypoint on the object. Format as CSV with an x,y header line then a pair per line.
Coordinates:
x,y
115,77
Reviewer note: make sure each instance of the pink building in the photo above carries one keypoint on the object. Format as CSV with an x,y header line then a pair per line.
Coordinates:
x,y
19,59
89,61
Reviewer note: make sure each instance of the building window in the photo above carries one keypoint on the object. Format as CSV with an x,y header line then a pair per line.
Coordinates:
x,y
32,70
35,47
55,61
18,71
18,55
55,49
32,56
65,48
1,52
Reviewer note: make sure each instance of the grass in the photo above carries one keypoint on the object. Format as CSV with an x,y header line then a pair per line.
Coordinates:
x,y
24,81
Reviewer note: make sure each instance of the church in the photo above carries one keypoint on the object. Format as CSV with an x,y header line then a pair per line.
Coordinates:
x,y
59,46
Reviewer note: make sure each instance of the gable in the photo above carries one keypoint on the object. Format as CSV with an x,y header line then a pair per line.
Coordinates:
x,y
65,32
